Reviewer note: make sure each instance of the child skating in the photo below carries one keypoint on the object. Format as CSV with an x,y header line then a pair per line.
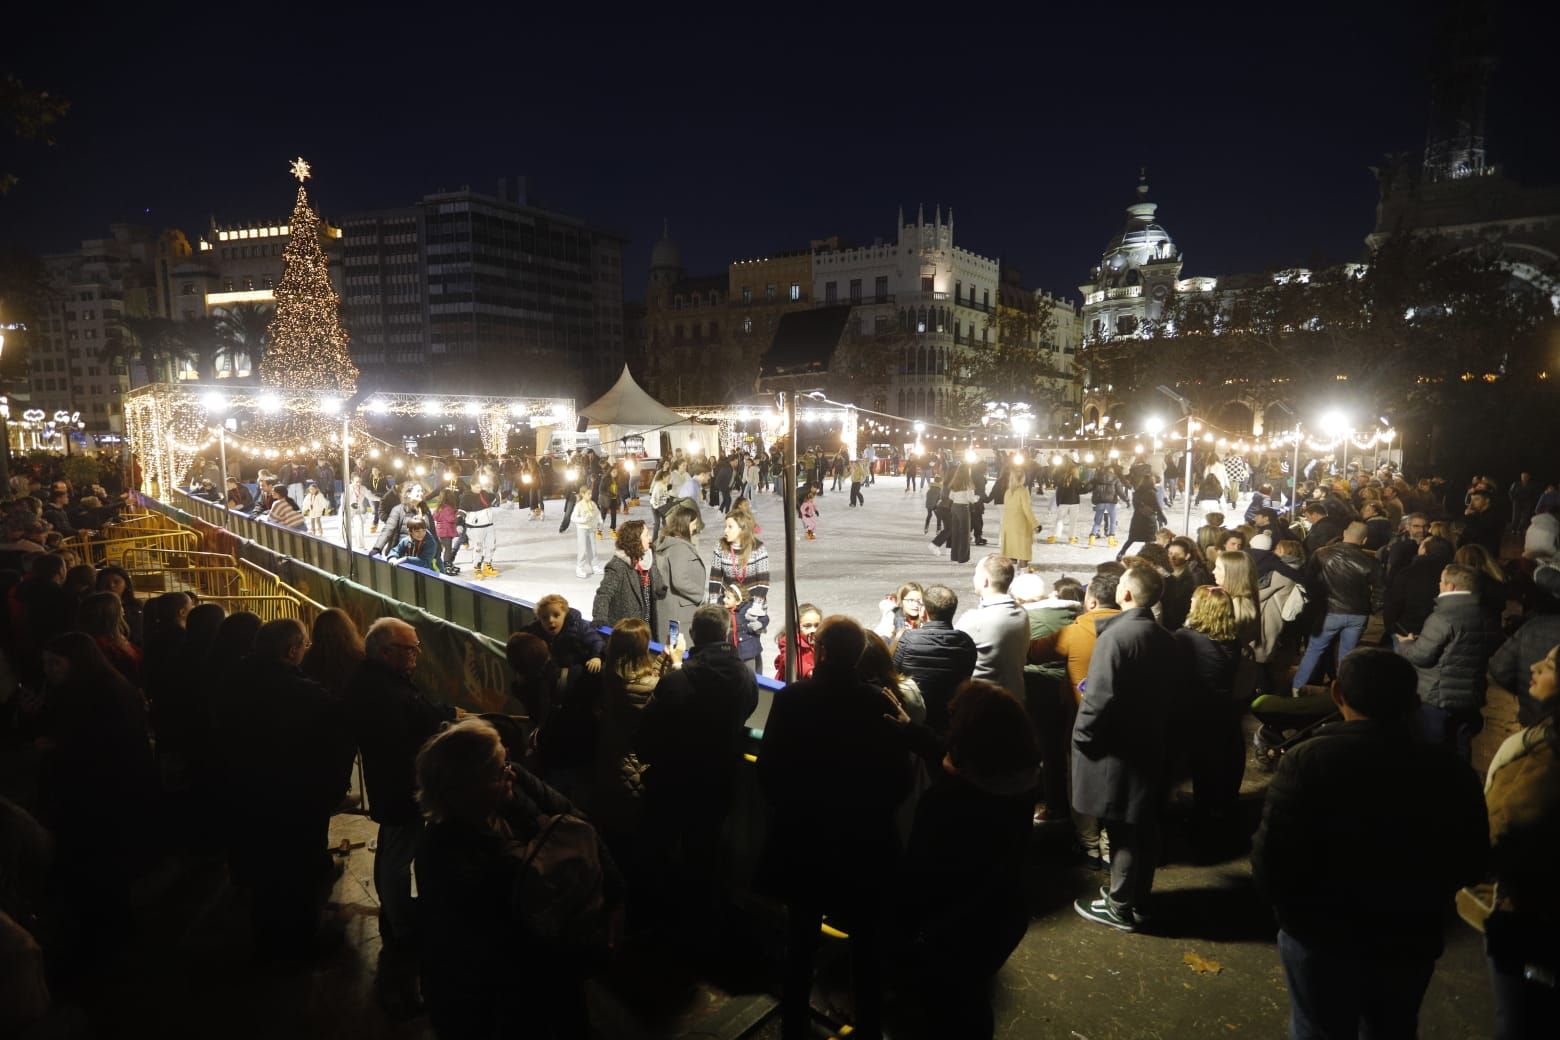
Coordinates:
x,y
808,511
315,506
585,518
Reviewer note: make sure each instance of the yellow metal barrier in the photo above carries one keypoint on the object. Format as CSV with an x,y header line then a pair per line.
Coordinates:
x,y
101,551
269,608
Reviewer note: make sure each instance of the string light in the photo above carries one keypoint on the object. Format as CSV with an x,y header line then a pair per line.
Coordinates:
x,y
306,345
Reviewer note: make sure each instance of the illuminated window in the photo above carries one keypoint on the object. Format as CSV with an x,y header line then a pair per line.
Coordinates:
x,y
796,291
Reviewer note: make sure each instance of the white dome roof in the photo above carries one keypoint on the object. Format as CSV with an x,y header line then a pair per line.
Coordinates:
x,y
1140,241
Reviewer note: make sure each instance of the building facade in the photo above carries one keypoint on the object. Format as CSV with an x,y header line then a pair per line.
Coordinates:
x,y
79,362
923,302
704,335
467,288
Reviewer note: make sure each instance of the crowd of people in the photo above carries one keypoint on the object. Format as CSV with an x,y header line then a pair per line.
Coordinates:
x,y
904,772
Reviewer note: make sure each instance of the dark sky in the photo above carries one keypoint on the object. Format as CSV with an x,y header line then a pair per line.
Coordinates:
x,y
1257,122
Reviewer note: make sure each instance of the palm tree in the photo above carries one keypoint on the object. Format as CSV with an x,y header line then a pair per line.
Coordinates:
x,y
240,328
151,341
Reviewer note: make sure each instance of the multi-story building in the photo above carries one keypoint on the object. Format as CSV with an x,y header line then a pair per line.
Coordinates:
x,y
704,335
469,288
923,301
79,361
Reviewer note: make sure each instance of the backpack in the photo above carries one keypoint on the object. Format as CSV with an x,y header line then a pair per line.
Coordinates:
x,y
1294,603
559,888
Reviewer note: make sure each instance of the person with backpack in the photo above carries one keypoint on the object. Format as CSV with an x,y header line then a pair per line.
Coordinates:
x,y
521,899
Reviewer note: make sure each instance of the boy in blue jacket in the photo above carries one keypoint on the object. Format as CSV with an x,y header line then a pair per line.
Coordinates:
x,y
569,637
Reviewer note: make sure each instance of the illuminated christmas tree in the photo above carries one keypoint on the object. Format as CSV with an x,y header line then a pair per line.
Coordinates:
x,y
307,347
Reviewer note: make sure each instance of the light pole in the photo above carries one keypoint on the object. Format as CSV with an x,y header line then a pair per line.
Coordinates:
x,y
5,429
1021,425
1191,428
1337,425
216,404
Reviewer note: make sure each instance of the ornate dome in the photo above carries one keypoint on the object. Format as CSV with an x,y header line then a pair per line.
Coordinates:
x,y
665,252
1140,241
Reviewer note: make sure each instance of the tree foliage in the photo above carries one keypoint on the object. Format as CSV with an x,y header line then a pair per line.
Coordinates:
x,y
31,115
1396,333
1019,366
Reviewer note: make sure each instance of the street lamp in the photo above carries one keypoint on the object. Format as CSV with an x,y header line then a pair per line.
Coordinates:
x,y
1337,426
216,404
1022,423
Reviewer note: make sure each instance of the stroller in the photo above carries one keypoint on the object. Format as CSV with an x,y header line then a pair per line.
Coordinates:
x,y
1287,722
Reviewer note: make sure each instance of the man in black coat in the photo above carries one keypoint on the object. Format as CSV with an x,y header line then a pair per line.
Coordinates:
x,y
936,655
1400,552
288,752
691,739
391,720
1358,958
834,770
1119,744
1481,524
1326,527
1412,591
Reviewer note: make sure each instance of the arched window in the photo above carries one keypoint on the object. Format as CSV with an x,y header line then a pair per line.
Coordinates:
x,y
901,402
920,368
920,323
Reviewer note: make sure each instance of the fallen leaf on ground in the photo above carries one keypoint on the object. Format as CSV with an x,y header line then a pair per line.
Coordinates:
x,y
1200,964
1053,978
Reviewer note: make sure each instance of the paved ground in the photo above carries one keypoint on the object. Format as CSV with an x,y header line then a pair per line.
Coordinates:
x,y
1209,970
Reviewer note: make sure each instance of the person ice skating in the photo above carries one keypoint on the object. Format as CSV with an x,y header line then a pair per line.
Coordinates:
x,y
1068,493
447,525
585,518
1105,490
477,504
858,477
807,509
315,506
417,548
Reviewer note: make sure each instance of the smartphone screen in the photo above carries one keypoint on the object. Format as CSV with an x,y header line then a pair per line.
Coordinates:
x,y
673,630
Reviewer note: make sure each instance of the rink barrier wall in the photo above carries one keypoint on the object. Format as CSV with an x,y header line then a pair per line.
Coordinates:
x,y
368,587
460,664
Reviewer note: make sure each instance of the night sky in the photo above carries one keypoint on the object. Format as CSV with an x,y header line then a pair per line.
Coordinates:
x,y
1256,123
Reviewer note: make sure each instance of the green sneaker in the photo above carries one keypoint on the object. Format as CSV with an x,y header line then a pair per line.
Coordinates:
x,y
1099,911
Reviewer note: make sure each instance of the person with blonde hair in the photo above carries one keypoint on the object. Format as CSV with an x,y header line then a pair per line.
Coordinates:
x,y
1236,574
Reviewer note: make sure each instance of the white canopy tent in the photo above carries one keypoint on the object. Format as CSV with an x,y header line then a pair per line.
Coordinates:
x,y
627,411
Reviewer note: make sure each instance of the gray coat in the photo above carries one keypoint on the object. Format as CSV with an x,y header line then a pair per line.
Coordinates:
x,y
1452,653
1000,629
1119,741
1511,664
681,584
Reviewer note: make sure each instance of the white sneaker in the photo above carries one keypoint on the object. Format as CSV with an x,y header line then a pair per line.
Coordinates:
x,y
581,574
935,549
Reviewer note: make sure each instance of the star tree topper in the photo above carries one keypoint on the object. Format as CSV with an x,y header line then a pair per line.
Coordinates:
x,y
300,169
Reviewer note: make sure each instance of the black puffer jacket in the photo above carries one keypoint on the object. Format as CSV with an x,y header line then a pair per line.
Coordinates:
x,y
1452,654
1351,575
938,657
1106,488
